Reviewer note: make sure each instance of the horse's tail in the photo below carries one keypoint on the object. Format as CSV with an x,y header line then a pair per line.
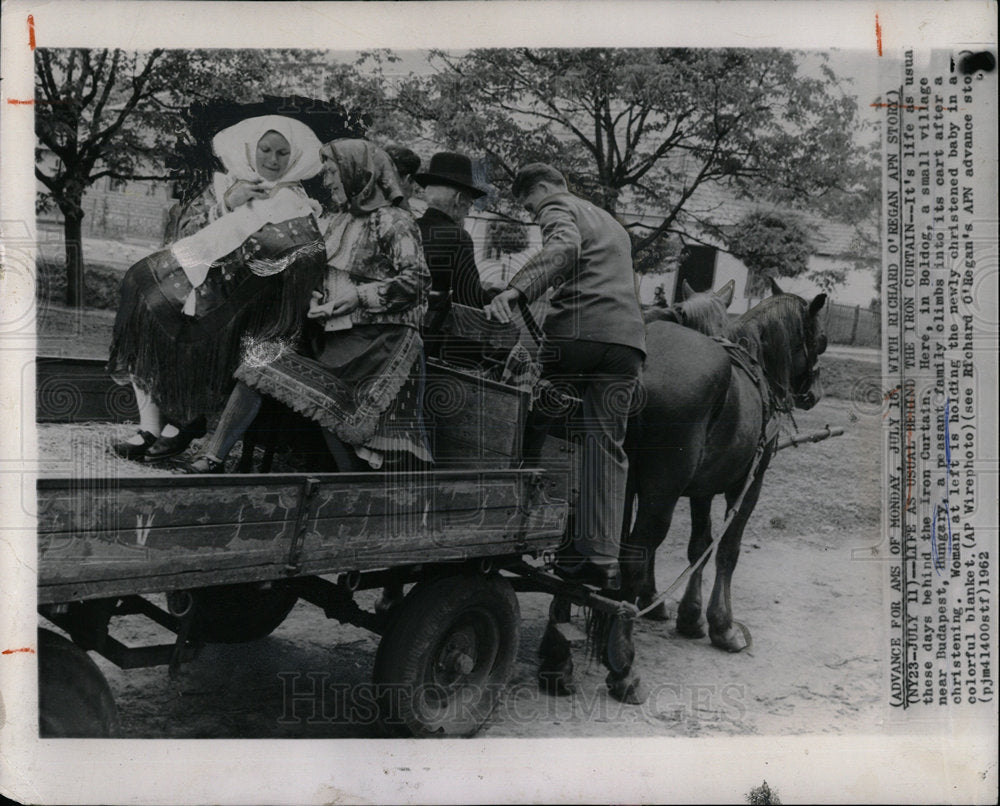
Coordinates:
x,y
628,512
633,438
598,625
609,640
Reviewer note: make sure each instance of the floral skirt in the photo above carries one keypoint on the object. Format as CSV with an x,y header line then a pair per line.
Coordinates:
x,y
364,383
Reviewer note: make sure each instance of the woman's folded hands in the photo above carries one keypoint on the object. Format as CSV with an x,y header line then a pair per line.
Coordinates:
x,y
244,191
345,302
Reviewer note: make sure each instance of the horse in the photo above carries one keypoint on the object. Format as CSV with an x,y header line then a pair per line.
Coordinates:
x,y
705,418
705,312
700,431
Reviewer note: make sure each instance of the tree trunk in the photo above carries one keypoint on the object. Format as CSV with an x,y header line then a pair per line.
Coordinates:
x,y
73,237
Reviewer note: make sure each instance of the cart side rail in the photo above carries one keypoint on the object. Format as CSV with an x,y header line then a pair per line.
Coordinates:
x,y
102,537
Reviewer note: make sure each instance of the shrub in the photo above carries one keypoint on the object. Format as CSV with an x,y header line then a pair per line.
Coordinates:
x,y
762,795
100,284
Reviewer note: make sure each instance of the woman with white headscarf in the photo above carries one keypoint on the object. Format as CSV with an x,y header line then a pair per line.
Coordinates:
x,y
251,252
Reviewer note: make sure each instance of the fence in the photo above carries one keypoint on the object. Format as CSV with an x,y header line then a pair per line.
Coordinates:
x,y
853,325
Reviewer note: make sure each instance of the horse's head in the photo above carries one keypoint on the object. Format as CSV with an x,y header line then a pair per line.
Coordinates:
x,y
704,311
805,386
785,333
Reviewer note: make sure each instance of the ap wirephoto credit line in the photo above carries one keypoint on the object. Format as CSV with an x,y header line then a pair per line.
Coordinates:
x,y
466,405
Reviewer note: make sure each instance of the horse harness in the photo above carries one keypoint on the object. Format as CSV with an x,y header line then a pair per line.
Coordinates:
x,y
741,358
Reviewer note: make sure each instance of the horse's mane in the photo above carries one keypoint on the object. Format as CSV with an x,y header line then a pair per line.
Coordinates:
x,y
770,332
705,313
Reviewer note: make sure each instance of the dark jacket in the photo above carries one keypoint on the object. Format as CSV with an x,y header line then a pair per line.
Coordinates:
x,y
586,257
451,259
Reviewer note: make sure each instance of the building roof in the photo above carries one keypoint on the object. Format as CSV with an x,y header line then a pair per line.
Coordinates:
x,y
830,238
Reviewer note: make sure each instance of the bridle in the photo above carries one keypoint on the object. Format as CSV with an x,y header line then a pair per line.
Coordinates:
x,y
812,347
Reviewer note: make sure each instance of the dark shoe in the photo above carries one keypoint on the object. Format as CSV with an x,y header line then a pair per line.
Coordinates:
x,y
126,450
204,465
165,447
604,574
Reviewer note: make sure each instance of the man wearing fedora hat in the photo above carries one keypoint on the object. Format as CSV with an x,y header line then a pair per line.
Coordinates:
x,y
595,340
449,191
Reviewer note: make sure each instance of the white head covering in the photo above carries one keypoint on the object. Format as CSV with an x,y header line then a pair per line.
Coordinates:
x,y
236,147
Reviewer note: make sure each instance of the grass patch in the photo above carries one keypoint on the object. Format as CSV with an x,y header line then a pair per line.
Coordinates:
x,y
100,284
851,379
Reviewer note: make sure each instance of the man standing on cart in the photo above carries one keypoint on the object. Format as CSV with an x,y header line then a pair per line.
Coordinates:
x,y
595,340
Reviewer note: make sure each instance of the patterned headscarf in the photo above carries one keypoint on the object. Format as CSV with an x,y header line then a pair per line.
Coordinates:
x,y
366,172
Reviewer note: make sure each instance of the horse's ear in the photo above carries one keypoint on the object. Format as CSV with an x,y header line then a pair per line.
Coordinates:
x,y
817,304
726,293
686,290
775,288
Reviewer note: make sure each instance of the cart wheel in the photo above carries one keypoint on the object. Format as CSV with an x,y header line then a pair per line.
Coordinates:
x,y
74,699
234,614
443,664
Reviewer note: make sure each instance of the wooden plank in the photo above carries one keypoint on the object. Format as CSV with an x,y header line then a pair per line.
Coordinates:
x,y
472,418
79,590
108,530
561,461
382,522
111,537
87,507
72,390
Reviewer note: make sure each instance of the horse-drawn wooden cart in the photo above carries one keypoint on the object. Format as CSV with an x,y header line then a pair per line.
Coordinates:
x,y
233,554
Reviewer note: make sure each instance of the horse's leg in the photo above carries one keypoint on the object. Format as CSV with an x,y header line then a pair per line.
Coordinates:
x,y
720,608
689,621
630,554
555,670
618,656
658,613
638,554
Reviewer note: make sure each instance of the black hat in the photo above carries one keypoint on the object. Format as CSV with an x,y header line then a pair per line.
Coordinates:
x,y
448,168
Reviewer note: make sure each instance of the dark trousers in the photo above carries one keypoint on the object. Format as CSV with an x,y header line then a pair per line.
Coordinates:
x,y
604,376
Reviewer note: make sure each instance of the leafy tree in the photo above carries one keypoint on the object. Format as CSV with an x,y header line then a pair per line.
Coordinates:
x,y
829,279
505,237
658,256
113,113
770,246
648,130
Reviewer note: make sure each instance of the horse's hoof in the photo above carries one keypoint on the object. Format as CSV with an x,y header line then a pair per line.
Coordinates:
x,y
628,689
658,613
691,629
730,640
